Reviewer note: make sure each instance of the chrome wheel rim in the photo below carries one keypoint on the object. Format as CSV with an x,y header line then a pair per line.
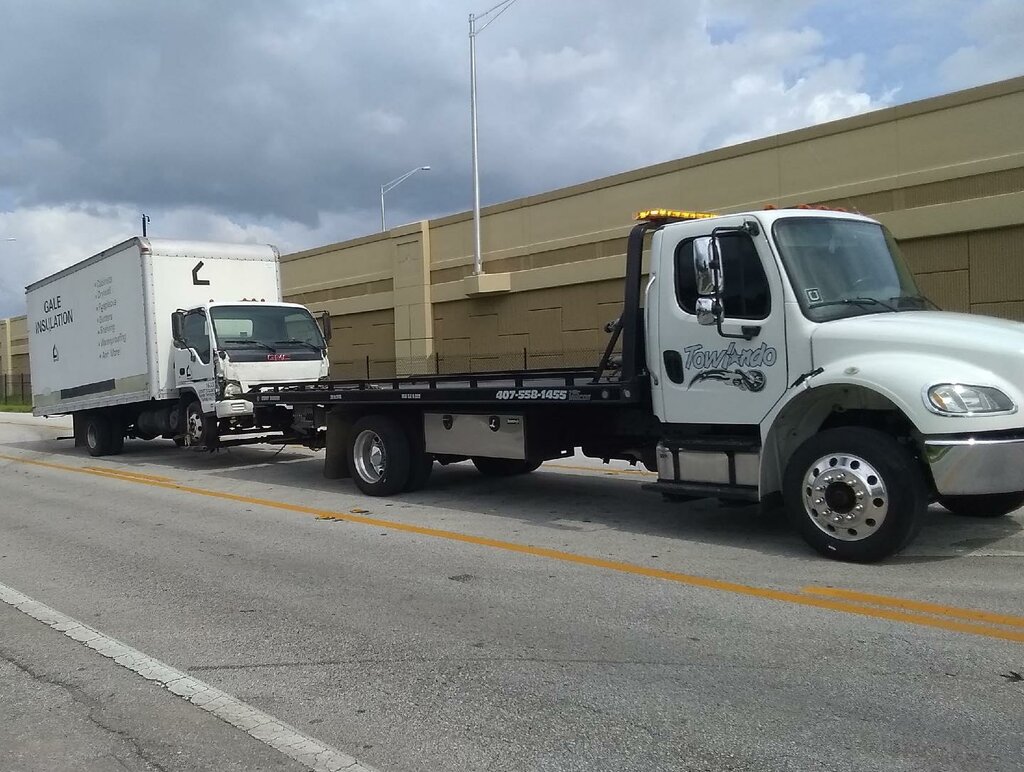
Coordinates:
x,y
92,436
845,497
370,456
194,428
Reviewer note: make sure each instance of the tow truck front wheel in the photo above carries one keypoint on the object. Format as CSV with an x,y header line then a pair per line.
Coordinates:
x,y
855,494
379,458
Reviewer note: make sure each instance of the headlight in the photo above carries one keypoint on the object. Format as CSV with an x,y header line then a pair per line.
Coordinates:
x,y
232,389
961,399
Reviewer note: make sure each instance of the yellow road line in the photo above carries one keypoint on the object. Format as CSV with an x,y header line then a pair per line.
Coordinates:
x,y
118,472
704,582
1007,620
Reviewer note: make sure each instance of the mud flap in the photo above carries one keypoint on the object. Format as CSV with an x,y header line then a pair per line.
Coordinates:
x,y
339,426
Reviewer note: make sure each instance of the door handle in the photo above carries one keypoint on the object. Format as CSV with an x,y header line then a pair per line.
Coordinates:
x,y
673,365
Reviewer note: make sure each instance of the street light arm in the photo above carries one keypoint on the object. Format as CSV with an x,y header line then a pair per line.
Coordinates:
x,y
393,184
500,8
399,180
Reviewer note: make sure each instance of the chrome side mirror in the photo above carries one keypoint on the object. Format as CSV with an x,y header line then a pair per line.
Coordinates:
x,y
707,267
702,266
707,312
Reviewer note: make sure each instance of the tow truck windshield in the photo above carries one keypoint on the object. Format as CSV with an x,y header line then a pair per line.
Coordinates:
x,y
265,327
840,268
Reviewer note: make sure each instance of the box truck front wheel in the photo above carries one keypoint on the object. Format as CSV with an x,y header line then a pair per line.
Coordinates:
x,y
379,458
855,494
199,431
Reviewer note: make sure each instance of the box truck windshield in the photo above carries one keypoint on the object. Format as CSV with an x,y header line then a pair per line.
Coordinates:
x,y
267,327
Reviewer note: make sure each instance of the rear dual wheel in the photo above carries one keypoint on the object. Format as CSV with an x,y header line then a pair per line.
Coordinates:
x,y
384,459
103,435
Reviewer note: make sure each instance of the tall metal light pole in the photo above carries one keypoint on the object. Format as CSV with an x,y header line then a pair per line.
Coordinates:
x,y
394,184
498,10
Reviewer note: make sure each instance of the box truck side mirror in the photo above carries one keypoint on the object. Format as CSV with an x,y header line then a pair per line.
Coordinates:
x,y
325,325
177,329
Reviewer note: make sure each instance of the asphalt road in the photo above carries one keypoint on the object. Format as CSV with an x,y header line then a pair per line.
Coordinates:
x,y
560,621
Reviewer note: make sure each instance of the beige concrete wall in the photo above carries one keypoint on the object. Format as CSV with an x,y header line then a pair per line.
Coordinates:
x,y
14,346
945,174
15,383
554,326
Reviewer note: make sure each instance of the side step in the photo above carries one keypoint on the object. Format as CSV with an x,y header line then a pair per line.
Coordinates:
x,y
715,467
704,490
272,439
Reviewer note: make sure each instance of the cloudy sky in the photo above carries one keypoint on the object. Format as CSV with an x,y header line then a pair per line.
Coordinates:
x,y
278,120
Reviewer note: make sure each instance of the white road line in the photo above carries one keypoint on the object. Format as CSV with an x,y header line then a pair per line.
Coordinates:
x,y
312,753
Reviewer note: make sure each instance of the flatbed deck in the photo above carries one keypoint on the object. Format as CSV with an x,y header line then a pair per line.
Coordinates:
x,y
576,386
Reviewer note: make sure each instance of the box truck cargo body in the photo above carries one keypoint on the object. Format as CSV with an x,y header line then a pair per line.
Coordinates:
x,y
131,337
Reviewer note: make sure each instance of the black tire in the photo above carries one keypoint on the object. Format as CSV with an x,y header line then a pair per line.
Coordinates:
x,y
98,434
200,432
420,469
504,467
983,505
116,440
838,470
379,457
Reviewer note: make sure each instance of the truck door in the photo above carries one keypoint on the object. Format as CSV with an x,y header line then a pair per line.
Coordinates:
x,y
707,376
193,365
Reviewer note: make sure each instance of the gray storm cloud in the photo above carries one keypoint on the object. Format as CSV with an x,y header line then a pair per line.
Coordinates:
x,y
278,120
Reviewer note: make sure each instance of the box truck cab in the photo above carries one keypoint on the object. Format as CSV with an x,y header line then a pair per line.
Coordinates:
x,y
160,337
221,350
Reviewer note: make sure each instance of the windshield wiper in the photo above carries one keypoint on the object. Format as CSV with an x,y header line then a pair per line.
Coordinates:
x,y
853,302
250,342
916,299
297,342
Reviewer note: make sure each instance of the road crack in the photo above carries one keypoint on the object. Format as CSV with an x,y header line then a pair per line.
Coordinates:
x,y
93,711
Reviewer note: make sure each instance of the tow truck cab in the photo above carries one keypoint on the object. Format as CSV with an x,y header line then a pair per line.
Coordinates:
x,y
791,352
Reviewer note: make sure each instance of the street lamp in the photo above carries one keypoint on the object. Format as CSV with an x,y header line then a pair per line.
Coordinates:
x,y
498,10
394,184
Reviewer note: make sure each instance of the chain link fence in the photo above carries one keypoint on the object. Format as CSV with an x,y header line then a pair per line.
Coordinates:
x,y
16,389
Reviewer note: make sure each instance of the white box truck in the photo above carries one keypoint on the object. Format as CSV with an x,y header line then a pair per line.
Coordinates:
x,y
161,338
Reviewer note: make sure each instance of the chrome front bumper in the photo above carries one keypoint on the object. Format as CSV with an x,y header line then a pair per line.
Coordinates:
x,y
231,408
976,466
